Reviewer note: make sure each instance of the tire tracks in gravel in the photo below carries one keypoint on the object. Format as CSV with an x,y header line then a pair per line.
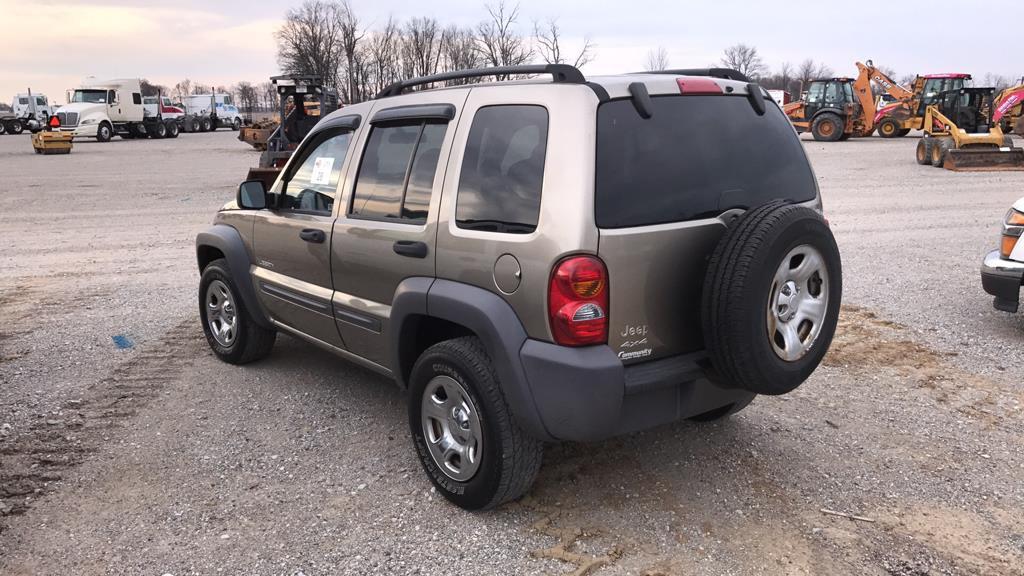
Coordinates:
x,y
54,444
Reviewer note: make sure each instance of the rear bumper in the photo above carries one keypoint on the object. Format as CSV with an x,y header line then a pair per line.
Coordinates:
x,y
586,394
1002,279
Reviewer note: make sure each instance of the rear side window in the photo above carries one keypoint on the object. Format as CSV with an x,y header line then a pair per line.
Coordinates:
x,y
396,176
503,170
136,98
696,157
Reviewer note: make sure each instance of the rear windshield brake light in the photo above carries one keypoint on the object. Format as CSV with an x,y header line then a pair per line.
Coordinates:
x,y
698,86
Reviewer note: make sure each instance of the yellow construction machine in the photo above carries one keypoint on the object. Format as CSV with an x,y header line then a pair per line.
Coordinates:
x,y
51,140
1008,108
960,136
907,113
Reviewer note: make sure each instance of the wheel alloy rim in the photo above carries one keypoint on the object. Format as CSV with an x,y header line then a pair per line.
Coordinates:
x,y
451,428
797,303
221,316
826,129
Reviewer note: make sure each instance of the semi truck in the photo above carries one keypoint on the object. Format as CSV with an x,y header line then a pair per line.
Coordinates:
x,y
28,112
207,112
102,109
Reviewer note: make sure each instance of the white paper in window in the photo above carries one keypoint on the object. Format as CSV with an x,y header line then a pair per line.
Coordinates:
x,y
322,168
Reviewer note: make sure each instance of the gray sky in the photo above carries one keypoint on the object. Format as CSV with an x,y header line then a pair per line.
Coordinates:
x,y
224,41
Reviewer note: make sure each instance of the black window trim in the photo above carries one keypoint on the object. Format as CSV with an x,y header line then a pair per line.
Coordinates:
x,y
335,128
540,198
444,112
422,122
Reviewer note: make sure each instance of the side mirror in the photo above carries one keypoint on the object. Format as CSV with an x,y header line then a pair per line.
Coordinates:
x,y
252,195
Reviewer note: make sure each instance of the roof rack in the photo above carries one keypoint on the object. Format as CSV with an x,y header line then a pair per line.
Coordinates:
x,y
561,73
724,73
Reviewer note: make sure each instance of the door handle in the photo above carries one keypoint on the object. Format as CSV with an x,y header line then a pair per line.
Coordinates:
x,y
410,248
313,235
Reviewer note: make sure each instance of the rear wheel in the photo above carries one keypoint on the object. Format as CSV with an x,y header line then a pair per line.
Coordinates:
x,y
3,128
15,127
771,298
205,125
889,128
157,130
924,151
464,434
172,128
827,128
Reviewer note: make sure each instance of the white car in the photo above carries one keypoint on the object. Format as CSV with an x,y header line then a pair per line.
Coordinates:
x,y
1003,270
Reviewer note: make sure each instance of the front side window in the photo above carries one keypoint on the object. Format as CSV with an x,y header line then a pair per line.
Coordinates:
x,y
816,92
313,185
396,176
503,170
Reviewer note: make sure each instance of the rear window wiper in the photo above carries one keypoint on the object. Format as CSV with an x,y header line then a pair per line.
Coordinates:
x,y
497,226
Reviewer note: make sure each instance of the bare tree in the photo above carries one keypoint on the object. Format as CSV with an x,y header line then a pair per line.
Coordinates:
x,y
809,70
183,89
311,39
460,53
383,55
498,41
247,96
421,46
349,39
997,81
657,59
745,59
548,37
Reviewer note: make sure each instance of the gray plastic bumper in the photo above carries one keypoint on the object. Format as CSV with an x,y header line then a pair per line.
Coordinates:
x,y
584,394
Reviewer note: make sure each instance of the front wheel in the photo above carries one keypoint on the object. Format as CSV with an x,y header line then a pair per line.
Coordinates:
x,y
104,132
230,330
157,130
939,149
463,431
889,128
172,129
924,151
237,124
206,125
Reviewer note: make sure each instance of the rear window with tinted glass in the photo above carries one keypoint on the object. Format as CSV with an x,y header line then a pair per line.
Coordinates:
x,y
696,157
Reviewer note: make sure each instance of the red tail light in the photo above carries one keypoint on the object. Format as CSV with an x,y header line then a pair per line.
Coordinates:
x,y
578,301
698,86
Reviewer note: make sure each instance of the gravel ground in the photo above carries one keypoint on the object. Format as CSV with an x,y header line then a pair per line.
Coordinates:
x,y
152,457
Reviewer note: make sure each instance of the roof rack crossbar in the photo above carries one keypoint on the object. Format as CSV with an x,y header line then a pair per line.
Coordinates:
x,y
723,73
561,73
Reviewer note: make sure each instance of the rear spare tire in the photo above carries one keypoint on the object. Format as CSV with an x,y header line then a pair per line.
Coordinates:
x,y
827,128
771,298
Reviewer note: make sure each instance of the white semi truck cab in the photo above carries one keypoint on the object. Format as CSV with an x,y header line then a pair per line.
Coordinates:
x,y
104,108
28,112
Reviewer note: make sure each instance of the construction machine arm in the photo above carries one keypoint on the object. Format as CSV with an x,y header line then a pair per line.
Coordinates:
x,y
888,84
862,87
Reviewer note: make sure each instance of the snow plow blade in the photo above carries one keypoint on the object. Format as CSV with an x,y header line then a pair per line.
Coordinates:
x,y
984,160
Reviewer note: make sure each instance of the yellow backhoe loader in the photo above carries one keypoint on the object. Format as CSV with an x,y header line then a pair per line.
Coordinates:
x,y
907,113
959,134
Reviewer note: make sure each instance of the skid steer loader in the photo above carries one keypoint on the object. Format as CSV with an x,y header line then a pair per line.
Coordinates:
x,y
960,135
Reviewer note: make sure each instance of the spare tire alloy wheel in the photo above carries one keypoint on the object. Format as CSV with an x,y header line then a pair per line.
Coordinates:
x,y
771,299
451,427
797,302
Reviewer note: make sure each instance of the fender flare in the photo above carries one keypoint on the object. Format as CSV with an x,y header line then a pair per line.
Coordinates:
x,y
229,242
482,312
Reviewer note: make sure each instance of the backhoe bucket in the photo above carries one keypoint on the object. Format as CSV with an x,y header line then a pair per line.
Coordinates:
x,y
984,159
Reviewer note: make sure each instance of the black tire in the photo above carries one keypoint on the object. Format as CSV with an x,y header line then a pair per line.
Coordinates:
x,y
827,127
251,342
206,125
846,136
509,459
939,149
15,127
237,124
3,128
104,132
172,129
187,125
889,128
903,132
740,284
924,151
157,130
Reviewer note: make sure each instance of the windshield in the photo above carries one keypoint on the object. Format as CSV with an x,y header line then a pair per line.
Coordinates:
x,y
696,157
90,96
